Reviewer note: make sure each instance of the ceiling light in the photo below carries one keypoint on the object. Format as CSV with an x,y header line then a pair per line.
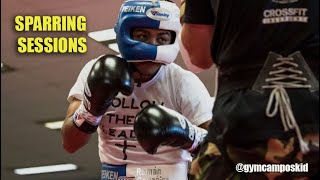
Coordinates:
x,y
54,124
45,169
114,47
5,68
103,35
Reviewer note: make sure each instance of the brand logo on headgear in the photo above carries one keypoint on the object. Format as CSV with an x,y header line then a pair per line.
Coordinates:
x,y
159,14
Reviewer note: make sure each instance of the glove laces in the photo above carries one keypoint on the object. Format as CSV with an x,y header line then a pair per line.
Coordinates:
x,y
286,74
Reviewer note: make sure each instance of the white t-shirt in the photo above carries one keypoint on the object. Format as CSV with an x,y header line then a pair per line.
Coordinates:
x,y
172,87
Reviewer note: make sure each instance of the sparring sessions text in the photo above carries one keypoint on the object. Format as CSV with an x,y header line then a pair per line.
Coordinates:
x,y
51,24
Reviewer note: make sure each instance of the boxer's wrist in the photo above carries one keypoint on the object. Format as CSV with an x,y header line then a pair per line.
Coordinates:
x,y
85,121
199,136
87,116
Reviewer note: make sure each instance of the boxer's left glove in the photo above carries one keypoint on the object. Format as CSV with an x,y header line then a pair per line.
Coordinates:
x,y
109,76
157,125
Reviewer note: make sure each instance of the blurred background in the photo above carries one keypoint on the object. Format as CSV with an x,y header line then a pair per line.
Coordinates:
x,y
34,88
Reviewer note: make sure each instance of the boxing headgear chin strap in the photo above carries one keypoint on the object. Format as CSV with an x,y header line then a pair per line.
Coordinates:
x,y
147,14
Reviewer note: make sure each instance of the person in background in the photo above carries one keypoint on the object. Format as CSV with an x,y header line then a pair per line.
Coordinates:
x,y
267,104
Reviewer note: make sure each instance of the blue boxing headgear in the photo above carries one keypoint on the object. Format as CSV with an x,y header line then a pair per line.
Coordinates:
x,y
147,14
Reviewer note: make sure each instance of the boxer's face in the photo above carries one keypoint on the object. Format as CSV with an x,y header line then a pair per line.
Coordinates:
x,y
156,37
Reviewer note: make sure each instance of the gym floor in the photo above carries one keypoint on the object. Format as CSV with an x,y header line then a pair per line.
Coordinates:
x,y
35,88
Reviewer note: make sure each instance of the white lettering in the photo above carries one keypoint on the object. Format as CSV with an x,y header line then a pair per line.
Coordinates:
x,y
109,174
144,172
272,16
137,9
285,12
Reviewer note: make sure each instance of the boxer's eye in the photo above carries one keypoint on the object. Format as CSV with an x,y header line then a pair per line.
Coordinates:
x,y
140,35
163,38
152,36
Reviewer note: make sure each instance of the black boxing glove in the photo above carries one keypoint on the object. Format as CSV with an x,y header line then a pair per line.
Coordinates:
x,y
157,125
108,76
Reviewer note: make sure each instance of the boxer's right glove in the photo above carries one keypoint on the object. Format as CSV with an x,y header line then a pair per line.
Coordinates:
x,y
109,76
157,125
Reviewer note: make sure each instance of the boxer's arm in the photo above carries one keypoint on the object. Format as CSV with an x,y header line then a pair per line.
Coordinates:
x,y
198,47
72,138
197,19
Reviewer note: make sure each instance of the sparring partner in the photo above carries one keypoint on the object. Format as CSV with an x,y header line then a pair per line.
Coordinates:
x,y
105,99
267,106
